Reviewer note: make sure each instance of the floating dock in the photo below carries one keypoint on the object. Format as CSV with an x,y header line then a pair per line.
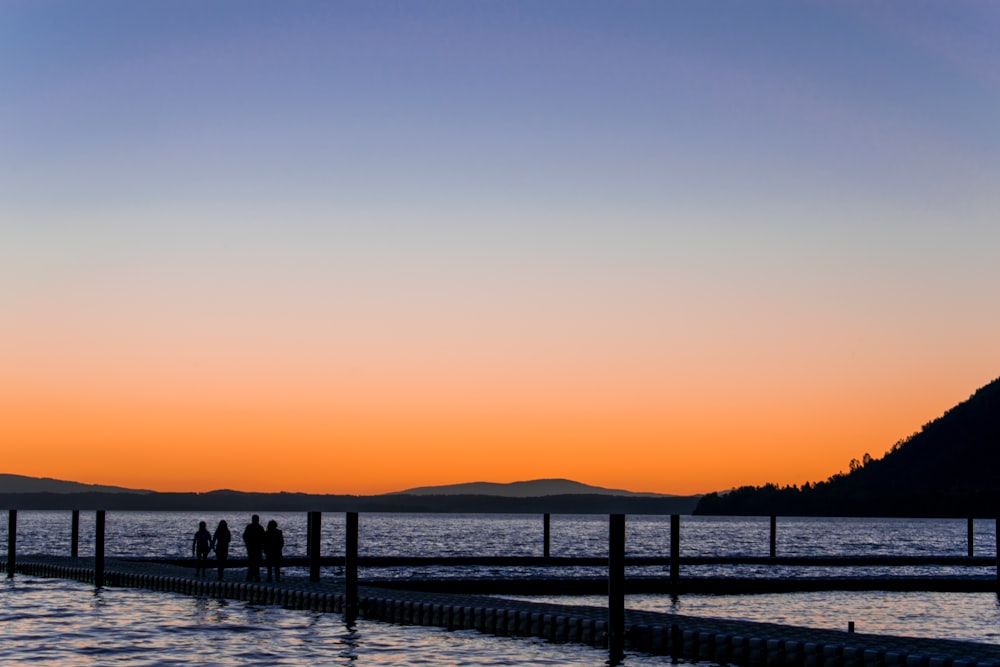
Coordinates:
x,y
688,638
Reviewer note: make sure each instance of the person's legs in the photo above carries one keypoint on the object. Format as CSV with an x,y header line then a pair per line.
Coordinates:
x,y
256,566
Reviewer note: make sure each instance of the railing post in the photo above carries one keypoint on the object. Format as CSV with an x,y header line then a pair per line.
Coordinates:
x,y
315,523
971,530
675,548
309,527
547,529
996,532
351,568
774,536
11,542
74,534
616,588
99,550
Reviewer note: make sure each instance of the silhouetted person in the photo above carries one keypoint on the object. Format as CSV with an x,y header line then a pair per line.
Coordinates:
x,y
201,545
274,542
253,538
220,542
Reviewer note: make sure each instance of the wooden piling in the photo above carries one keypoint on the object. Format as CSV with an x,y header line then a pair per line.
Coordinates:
x,y
774,536
616,588
547,530
309,525
675,548
315,522
971,531
11,542
99,549
74,534
351,567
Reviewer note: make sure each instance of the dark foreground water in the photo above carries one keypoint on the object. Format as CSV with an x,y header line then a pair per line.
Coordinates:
x,y
64,623
55,622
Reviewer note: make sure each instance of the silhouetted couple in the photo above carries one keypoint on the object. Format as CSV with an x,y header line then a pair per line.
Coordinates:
x,y
204,542
260,543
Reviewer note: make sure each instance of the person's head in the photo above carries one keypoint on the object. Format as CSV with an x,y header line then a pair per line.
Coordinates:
x,y
255,519
272,524
223,524
201,525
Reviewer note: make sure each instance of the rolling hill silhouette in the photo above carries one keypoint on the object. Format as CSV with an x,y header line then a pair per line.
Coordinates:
x,y
951,467
23,484
534,488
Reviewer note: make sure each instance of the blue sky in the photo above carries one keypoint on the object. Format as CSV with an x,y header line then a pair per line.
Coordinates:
x,y
750,194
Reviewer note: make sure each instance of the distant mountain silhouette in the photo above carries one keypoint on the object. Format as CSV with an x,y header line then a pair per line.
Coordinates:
x,y
951,467
529,489
24,484
31,493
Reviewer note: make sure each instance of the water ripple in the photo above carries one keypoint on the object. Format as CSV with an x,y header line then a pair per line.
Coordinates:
x,y
137,628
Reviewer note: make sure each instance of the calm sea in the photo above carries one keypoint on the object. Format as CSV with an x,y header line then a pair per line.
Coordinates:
x,y
54,622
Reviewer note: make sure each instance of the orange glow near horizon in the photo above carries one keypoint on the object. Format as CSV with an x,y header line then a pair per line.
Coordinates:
x,y
208,436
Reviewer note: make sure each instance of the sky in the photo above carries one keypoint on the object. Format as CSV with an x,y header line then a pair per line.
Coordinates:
x,y
358,247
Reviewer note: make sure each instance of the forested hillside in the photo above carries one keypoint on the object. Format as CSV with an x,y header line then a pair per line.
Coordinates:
x,y
951,467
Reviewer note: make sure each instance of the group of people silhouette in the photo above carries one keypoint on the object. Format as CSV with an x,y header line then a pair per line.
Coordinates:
x,y
263,546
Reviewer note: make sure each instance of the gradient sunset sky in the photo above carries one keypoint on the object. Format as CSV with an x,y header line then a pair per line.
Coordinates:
x,y
357,247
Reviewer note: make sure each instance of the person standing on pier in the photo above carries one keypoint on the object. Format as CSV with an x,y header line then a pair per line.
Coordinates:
x,y
220,542
274,542
253,538
201,545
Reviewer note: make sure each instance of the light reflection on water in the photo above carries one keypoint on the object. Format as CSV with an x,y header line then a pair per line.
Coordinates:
x,y
963,616
56,622
169,534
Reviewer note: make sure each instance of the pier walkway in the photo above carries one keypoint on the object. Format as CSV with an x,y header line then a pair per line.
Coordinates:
x,y
689,638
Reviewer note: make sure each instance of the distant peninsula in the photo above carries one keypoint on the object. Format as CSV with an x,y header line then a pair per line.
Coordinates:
x,y
557,496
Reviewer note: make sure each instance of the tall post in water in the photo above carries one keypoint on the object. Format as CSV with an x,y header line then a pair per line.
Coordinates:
x,y
970,529
99,550
774,536
315,524
74,534
997,533
351,568
616,588
547,529
309,527
11,542
675,548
